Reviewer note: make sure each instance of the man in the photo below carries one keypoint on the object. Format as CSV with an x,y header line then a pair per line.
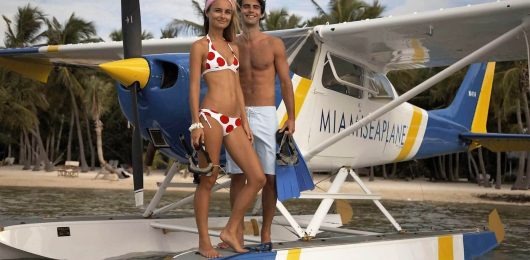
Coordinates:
x,y
262,57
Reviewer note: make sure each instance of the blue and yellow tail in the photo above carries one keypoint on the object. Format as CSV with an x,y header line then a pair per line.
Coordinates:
x,y
462,125
467,113
471,104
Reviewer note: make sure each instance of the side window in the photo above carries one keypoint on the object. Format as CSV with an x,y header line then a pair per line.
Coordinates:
x,y
302,64
379,83
342,76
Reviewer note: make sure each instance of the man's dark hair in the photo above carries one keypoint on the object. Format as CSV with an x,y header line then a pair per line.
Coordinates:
x,y
261,3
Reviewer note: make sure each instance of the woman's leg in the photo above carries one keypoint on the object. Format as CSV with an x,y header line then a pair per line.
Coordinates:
x,y
213,138
243,153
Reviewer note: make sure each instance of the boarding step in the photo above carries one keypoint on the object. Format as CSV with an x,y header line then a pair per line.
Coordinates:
x,y
179,184
345,196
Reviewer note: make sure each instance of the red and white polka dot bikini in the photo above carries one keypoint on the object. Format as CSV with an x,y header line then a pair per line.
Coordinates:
x,y
227,123
216,62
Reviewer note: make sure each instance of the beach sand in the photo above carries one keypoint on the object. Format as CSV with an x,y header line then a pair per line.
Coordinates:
x,y
415,190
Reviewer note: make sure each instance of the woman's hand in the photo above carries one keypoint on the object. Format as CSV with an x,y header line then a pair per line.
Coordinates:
x,y
250,136
197,138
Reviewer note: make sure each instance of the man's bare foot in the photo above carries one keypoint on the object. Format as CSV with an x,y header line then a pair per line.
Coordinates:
x,y
209,252
232,241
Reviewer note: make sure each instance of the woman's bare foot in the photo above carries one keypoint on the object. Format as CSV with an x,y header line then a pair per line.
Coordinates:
x,y
209,252
232,241
223,245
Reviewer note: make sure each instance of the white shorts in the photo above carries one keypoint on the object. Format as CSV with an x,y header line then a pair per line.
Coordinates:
x,y
264,124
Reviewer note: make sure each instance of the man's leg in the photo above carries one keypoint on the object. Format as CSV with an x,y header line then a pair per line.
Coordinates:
x,y
269,207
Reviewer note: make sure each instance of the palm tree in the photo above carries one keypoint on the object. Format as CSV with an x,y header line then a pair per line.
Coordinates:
x,y
117,35
280,19
74,30
24,29
98,98
185,27
346,11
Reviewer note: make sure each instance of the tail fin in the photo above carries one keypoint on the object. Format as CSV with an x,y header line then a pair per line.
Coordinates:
x,y
471,104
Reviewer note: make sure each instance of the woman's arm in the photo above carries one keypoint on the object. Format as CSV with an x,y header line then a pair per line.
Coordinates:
x,y
195,78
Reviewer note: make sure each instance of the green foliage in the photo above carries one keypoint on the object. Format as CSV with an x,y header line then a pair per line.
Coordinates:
x,y
281,19
340,11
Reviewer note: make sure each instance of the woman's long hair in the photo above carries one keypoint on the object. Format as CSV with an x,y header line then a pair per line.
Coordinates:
x,y
229,33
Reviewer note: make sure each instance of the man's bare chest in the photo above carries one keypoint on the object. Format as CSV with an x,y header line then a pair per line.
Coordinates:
x,y
258,56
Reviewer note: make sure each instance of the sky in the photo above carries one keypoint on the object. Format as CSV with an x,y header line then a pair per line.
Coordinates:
x,y
157,13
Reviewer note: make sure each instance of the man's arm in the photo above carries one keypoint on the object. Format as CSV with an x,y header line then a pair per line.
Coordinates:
x,y
282,69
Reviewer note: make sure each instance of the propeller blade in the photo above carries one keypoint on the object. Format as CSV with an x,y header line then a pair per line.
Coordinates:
x,y
132,48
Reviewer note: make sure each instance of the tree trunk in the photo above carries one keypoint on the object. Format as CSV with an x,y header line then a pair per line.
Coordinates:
x,y
43,155
476,175
457,167
485,180
526,111
48,139
520,171
27,163
59,136
82,158
90,143
22,149
498,181
99,147
451,173
441,164
394,170
51,151
70,134
527,181
33,151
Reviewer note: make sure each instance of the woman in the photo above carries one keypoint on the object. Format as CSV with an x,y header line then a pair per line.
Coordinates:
x,y
221,119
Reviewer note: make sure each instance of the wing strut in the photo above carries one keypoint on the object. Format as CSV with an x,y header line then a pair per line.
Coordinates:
x,y
418,89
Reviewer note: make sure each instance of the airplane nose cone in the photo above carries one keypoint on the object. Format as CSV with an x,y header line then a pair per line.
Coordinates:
x,y
128,71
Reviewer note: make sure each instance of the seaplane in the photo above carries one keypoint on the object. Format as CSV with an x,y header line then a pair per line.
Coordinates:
x,y
348,116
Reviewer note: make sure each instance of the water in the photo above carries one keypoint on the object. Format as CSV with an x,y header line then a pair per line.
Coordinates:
x,y
412,216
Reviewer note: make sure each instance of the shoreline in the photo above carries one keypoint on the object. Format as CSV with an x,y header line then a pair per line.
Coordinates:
x,y
396,189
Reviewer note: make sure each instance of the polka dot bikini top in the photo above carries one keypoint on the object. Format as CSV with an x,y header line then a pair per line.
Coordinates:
x,y
216,62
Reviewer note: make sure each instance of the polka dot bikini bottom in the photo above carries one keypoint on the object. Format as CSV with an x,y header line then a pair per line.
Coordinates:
x,y
227,123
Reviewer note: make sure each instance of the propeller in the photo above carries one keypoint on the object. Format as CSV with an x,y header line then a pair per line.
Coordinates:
x,y
132,48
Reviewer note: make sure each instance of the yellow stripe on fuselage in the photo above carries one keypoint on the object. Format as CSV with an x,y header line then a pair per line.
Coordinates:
x,y
299,96
445,248
414,127
53,48
481,112
294,254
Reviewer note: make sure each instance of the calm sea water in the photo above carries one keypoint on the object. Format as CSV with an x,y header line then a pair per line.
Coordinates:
x,y
412,216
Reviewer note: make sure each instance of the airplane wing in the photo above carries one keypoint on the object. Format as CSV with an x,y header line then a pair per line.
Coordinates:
x,y
431,39
499,142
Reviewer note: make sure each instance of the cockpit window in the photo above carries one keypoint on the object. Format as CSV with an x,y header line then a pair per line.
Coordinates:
x,y
348,78
379,83
342,76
